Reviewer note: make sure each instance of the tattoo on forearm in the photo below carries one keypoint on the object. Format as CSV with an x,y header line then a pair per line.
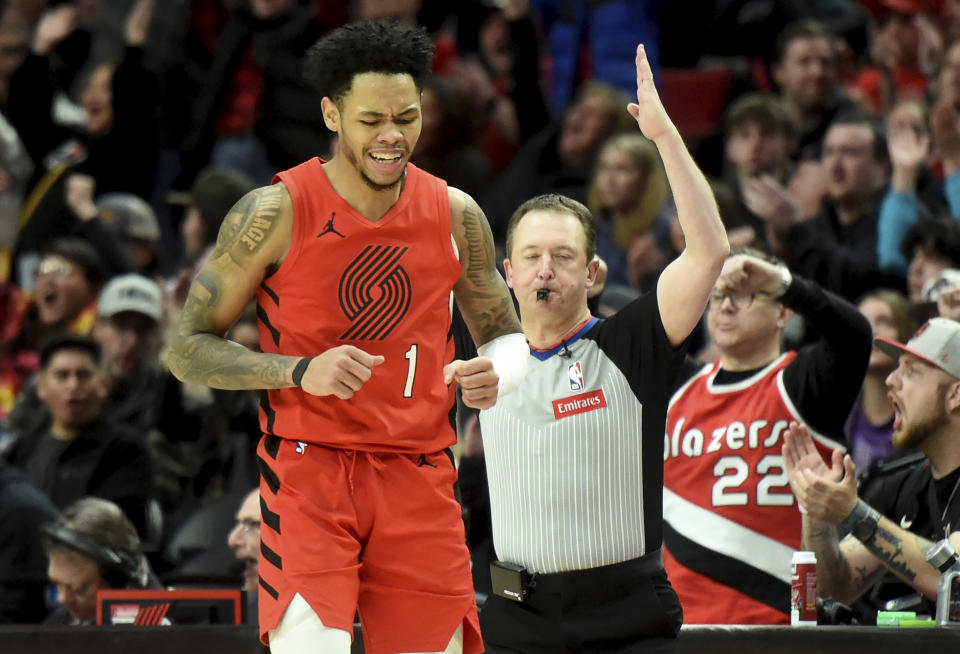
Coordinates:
x,y
214,362
198,354
841,571
831,561
890,552
820,533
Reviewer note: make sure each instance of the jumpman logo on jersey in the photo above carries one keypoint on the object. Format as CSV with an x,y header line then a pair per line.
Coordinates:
x,y
329,228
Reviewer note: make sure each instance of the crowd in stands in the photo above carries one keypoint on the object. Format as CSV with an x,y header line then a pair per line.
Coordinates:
x,y
128,128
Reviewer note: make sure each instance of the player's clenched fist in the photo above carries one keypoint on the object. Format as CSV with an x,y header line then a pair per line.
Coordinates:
x,y
340,371
478,381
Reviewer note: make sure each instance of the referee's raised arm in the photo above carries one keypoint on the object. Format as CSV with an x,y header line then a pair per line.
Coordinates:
x,y
685,283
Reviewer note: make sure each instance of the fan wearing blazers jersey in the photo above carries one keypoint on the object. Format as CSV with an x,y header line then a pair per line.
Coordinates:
x,y
731,523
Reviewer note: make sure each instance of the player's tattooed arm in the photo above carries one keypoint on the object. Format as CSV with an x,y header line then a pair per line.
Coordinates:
x,y
253,239
481,292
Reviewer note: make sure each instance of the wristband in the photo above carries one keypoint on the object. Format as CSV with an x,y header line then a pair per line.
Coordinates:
x,y
300,369
862,522
860,511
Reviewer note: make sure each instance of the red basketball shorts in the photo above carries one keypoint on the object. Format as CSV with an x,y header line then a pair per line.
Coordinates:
x,y
378,533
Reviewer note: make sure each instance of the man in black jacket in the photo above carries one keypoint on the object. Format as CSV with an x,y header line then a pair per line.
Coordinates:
x,y
82,451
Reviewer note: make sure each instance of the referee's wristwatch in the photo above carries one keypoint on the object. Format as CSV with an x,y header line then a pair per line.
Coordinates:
x,y
786,278
865,528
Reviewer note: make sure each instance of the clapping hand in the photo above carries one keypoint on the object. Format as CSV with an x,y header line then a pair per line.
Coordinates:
x,y
827,493
908,142
769,199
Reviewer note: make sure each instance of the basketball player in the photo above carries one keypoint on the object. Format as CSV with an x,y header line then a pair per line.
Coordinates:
x,y
352,262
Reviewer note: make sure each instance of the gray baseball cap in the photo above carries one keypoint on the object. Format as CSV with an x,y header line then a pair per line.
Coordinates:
x,y
129,215
937,342
131,293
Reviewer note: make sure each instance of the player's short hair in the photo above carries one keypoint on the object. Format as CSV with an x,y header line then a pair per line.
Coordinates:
x,y
367,46
560,204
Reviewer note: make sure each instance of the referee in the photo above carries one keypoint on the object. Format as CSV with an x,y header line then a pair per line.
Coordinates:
x,y
575,455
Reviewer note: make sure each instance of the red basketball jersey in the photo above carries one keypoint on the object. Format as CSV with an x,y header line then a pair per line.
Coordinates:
x,y
731,520
383,286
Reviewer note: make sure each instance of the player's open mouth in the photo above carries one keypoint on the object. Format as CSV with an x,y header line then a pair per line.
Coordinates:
x,y
387,161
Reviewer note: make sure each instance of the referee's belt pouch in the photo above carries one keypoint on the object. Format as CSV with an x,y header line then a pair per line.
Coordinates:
x,y
510,580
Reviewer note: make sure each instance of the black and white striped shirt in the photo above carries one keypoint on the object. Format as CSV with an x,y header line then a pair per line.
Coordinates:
x,y
575,454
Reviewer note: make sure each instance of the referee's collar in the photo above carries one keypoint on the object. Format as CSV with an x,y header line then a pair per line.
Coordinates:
x,y
565,343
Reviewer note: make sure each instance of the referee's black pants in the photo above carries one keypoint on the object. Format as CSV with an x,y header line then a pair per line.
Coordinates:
x,y
622,608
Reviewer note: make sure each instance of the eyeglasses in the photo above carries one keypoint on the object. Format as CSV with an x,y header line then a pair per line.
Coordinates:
x,y
738,300
249,526
55,268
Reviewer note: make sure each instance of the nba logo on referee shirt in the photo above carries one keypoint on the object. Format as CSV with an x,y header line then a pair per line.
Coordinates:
x,y
575,375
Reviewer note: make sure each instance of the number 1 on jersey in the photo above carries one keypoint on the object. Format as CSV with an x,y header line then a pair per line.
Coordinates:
x,y
411,356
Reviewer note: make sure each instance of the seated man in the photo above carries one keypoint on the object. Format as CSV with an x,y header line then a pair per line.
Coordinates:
x,y
92,546
244,540
837,248
82,451
726,497
890,530
758,134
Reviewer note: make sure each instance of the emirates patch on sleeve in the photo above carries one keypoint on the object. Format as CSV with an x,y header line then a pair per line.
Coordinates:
x,y
581,403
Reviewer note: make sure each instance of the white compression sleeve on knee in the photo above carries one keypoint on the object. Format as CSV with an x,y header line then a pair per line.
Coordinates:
x,y
510,355
301,630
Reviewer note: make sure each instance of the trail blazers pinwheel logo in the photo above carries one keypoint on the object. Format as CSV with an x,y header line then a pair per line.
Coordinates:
x,y
375,292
